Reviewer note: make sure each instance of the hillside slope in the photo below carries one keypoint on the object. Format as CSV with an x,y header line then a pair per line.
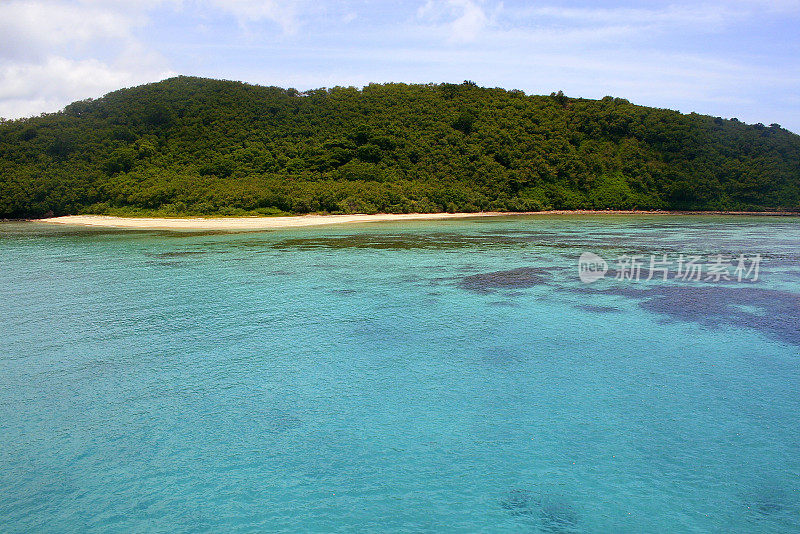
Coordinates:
x,y
199,146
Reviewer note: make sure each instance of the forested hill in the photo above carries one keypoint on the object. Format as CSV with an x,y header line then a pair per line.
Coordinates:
x,y
198,146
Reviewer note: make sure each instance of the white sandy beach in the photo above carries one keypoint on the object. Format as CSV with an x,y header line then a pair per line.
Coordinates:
x,y
247,223
270,223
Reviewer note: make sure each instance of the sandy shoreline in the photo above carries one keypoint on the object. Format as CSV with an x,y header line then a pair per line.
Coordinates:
x,y
268,223
245,223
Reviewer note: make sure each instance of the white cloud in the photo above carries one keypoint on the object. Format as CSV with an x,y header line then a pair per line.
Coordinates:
x,y
52,53
470,22
29,89
706,16
284,13
695,14
31,29
461,20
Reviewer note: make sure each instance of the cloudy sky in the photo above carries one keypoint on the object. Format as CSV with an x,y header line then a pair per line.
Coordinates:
x,y
732,58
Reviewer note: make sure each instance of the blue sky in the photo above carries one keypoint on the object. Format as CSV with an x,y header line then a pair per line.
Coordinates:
x,y
731,58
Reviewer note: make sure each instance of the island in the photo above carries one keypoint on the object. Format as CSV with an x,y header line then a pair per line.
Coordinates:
x,y
188,147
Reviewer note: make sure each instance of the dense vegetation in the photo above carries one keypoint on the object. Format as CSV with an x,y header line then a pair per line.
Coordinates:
x,y
199,146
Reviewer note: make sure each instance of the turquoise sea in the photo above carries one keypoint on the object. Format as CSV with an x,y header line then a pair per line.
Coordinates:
x,y
447,376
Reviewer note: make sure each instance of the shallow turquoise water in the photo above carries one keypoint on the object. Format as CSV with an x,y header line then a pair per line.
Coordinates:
x,y
423,377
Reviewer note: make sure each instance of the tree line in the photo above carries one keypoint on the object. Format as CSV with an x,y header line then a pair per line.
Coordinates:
x,y
192,146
